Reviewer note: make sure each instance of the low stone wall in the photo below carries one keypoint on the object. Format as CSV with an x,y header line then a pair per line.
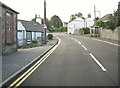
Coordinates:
x,y
109,34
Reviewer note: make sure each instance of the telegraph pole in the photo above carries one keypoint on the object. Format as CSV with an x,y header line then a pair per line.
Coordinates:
x,y
45,22
95,19
94,12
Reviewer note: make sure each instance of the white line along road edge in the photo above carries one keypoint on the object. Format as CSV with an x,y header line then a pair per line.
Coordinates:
x,y
102,41
24,76
98,62
107,42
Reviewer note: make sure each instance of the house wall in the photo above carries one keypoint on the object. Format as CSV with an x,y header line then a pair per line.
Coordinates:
x,y
21,34
36,35
74,26
109,34
12,47
0,30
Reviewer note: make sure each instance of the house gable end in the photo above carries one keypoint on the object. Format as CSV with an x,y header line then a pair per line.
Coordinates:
x,y
20,26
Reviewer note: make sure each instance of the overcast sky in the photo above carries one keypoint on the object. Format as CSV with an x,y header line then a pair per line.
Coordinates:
x,y
62,8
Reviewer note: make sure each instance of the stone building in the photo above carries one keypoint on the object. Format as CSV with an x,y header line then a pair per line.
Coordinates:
x,y
8,29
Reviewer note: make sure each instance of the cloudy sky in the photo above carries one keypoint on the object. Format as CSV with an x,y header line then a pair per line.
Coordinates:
x,y
62,8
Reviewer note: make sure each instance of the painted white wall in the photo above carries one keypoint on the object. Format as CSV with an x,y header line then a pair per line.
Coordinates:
x,y
74,25
79,23
35,35
20,26
90,22
21,33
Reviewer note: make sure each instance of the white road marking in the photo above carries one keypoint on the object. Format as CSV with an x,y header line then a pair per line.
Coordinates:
x,y
107,42
103,41
23,77
79,42
72,38
76,40
97,62
84,47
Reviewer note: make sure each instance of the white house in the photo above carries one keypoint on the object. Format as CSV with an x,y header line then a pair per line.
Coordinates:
x,y
75,25
29,31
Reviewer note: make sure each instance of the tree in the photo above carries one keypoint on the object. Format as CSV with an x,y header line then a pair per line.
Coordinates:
x,y
33,20
72,17
47,23
79,14
55,21
118,15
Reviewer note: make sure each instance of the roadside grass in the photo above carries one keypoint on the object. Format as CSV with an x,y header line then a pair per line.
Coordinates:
x,y
88,35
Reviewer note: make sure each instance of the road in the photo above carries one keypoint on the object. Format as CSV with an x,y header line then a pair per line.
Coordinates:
x,y
77,61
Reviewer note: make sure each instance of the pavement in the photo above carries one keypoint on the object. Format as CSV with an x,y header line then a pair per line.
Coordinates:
x,y
15,62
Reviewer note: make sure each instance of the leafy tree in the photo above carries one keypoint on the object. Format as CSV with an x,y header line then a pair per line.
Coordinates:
x,y
33,20
72,17
79,14
55,21
118,15
99,23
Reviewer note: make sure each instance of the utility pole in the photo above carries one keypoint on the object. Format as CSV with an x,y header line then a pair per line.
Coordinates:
x,y
45,22
94,13
95,19
96,28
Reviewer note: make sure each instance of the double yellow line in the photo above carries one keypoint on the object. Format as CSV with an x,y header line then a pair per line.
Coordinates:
x,y
24,76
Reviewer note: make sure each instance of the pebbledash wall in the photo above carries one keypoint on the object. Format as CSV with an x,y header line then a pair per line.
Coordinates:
x,y
5,30
109,34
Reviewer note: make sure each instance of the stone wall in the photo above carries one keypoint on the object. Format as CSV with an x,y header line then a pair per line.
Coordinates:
x,y
7,48
109,34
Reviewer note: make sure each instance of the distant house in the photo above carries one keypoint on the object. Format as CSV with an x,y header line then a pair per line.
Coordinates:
x,y
29,31
65,24
8,29
75,25
106,18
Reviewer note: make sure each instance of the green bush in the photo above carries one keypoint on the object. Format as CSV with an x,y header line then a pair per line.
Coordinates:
x,y
86,30
50,36
34,41
91,35
63,29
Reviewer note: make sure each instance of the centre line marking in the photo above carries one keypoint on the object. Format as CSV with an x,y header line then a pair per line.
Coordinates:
x,y
98,62
76,40
79,42
84,47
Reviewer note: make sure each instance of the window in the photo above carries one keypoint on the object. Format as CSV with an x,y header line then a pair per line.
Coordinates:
x,y
9,28
29,36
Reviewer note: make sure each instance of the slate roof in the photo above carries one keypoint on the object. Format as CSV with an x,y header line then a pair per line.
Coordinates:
x,y
106,18
32,26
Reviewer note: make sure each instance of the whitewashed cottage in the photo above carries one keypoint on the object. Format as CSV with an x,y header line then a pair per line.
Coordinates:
x,y
75,25
29,31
